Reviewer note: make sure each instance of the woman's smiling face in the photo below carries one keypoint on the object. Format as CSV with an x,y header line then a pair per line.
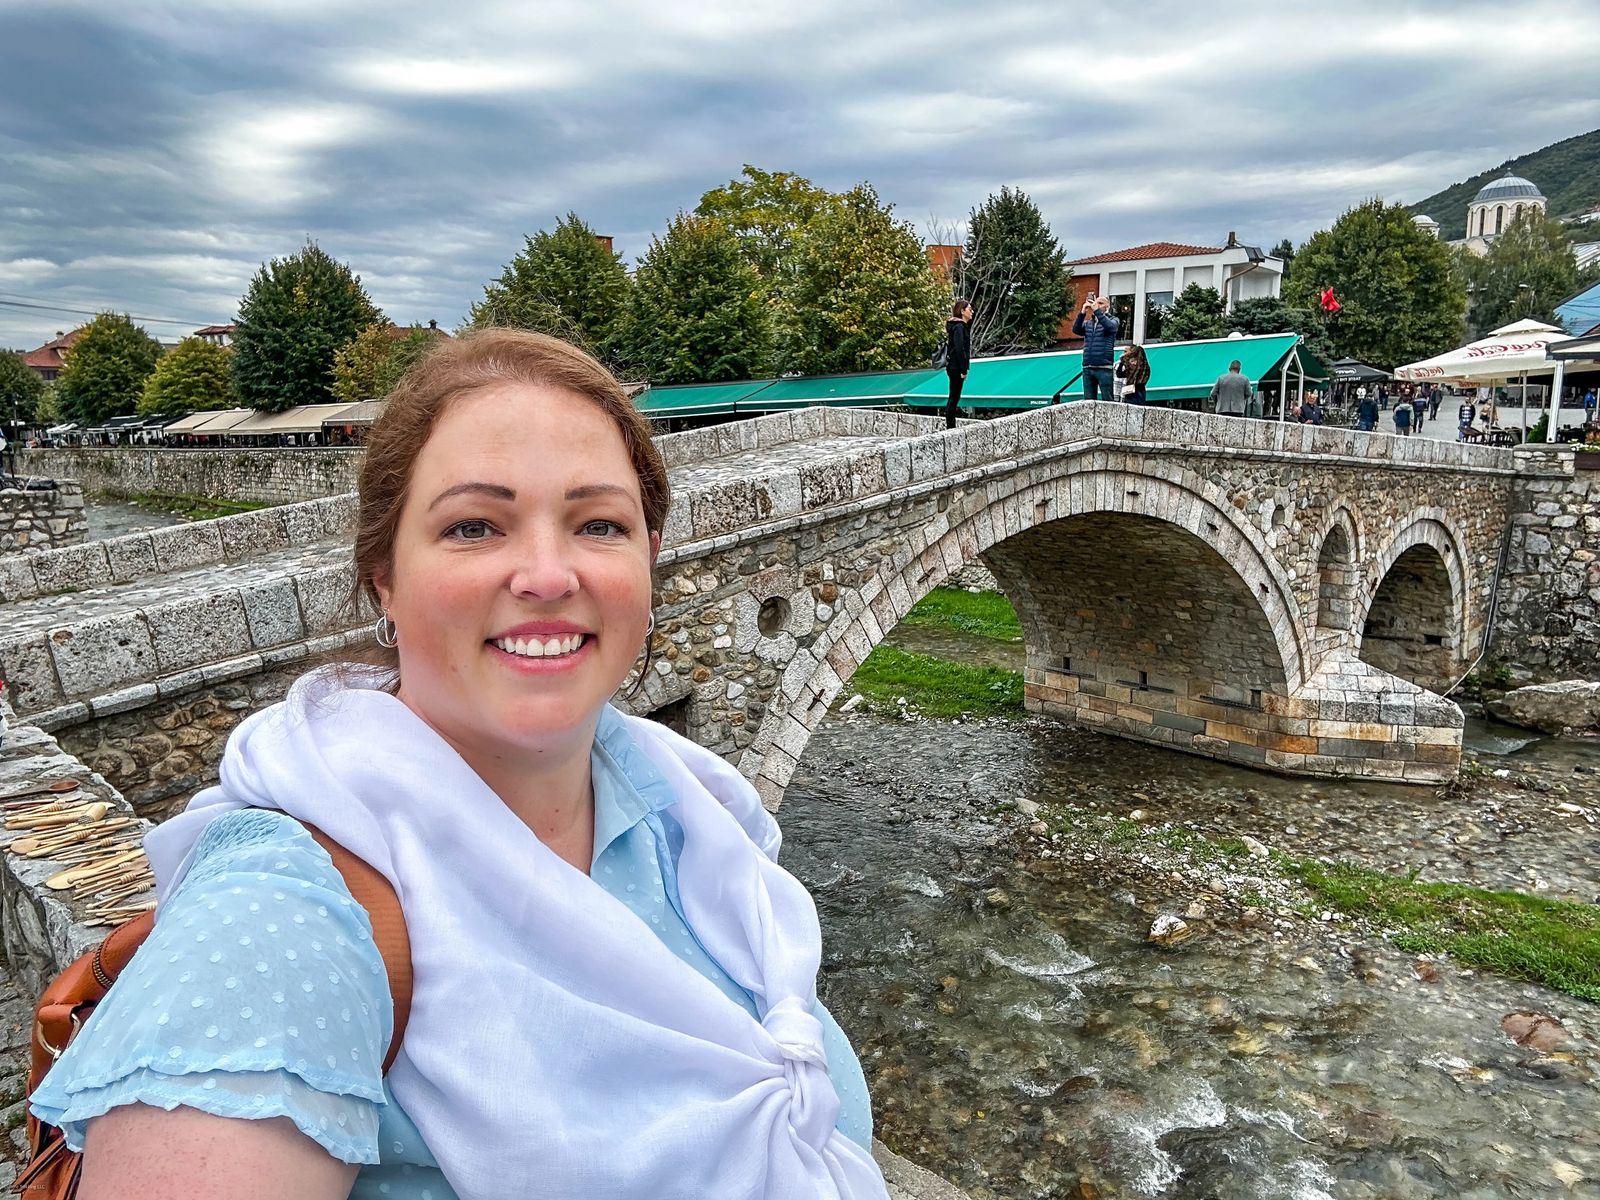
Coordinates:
x,y
520,579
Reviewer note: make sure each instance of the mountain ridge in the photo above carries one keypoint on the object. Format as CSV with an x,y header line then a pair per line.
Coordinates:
x,y
1567,172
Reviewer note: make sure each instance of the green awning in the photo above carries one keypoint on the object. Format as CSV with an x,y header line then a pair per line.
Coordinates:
x,y
839,391
1016,381
696,399
1186,370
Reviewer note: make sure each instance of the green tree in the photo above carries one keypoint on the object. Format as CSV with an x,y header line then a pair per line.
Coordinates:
x,y
766,211
1269,314
1400,298
195,377
564,283
370,364
1284,250
1530,268
864,297
48,411
1014,273
696,313
105,370
296,314
1196,313
21,389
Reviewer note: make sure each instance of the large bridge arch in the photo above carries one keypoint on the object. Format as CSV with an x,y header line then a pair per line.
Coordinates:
x,y
1188,515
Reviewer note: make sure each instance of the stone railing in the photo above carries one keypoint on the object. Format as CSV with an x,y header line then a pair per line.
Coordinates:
x,y
929,453
238,538
37,519
106,665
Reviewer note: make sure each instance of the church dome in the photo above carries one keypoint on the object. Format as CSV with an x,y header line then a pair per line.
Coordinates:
x,y
1423,219
1508,187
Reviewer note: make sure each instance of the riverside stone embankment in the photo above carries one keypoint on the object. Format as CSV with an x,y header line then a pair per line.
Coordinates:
x,y
39,519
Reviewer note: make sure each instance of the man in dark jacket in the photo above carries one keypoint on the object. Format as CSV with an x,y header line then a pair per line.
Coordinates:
x,y
957,356
1098,329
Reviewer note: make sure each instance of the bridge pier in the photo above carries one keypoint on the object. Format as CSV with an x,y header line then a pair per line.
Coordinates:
x,y
1349,719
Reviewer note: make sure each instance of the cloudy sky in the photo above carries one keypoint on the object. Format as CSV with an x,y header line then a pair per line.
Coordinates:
x,y
153,154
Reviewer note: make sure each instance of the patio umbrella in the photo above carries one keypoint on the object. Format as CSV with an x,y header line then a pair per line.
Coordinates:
x,y
1512,351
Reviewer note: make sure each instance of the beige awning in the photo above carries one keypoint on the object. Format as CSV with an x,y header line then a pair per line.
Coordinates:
x,y
364,413
210,422
308,418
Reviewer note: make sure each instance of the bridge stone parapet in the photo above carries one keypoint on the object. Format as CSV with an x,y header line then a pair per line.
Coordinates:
x,y
241,538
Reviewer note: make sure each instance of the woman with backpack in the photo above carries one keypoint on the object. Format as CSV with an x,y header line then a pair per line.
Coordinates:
x,y
613,982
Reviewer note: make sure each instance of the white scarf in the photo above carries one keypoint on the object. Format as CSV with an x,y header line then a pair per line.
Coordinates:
x,y
555,1045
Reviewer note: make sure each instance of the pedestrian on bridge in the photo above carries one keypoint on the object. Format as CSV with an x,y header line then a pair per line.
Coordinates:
x,y
1133,370
1098,329
1402,417
615,985
1466,414
957,356
1419,408
1231,392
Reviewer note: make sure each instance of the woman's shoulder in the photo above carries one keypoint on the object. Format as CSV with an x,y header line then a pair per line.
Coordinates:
x,y
243,837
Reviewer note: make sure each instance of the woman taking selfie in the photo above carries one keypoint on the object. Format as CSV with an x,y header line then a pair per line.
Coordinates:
x,y
614,982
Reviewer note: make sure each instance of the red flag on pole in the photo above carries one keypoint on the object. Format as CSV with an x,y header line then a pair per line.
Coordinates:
x,y
1329,304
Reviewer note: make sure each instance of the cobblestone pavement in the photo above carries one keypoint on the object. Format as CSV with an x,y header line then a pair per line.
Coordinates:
x,y
771,459
46,612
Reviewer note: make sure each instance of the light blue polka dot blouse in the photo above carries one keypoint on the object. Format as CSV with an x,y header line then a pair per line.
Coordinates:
x,y
260,992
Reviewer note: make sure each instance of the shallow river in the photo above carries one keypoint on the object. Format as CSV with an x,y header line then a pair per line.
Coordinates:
x,y
1029,1041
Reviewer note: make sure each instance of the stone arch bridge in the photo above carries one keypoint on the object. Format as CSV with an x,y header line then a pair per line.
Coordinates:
x,y
1289,597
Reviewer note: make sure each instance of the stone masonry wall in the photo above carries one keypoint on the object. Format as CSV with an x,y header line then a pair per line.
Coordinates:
x,y
158,756
1549,618
38,520
269,476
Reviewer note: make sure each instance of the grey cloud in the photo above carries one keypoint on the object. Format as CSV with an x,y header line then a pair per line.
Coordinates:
x,y
152,155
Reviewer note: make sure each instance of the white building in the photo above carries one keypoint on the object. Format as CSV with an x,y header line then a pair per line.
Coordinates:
x,y
1143,279
1493,210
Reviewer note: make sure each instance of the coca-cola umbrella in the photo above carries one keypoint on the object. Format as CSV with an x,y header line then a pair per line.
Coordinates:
x,y
1509,353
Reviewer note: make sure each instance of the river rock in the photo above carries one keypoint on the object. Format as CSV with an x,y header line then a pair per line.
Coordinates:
x,y
1028,808
1551,707
1169,930
1535,1030
1255,848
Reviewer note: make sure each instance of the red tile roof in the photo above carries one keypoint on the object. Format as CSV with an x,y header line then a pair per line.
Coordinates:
x,y
211,330
1150,250
53,353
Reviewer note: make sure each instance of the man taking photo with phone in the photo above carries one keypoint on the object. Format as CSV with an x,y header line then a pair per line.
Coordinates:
x,y
1098,329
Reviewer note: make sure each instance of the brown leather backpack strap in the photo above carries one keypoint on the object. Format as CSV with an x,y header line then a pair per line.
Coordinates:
x,y
376,894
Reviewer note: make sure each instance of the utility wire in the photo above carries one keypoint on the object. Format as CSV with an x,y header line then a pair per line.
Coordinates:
x,y
93,312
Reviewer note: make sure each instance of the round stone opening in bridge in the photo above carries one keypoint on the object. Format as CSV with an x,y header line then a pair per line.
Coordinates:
x,y
773,616
1336,581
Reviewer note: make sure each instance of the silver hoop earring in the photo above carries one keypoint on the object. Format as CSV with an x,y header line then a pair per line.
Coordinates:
x,y
650,627
384,630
